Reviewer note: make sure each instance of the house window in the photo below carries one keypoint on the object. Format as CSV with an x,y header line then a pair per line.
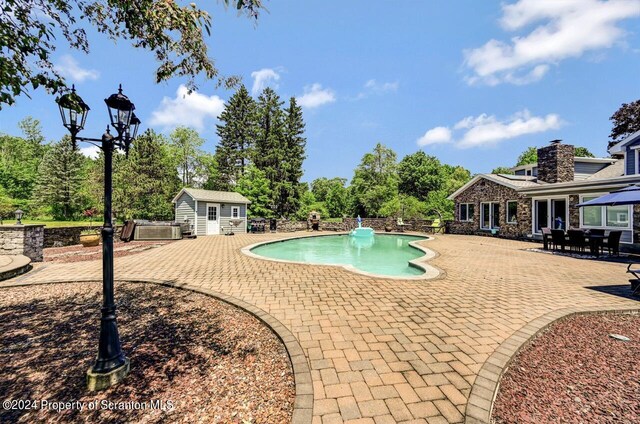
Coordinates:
x,y
605,216
512,212
235,212
489,215
618,216
466,212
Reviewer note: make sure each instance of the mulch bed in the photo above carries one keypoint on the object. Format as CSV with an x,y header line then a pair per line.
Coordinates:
x,y
79,253
575,372
204,360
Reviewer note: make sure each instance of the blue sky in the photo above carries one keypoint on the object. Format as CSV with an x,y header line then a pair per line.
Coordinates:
x,y
472,83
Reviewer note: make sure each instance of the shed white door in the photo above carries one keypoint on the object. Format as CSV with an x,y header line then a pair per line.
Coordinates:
x,y
213,218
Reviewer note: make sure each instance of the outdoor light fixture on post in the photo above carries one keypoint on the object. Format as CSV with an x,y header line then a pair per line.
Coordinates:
x,y
19,214
111,365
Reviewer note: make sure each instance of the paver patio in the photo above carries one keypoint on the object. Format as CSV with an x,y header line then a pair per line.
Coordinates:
x,y
383,350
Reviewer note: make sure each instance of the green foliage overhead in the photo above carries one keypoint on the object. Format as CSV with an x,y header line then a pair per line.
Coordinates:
x,y
172,30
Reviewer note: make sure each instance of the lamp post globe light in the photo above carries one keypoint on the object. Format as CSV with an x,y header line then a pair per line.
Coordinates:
x,y
18,214
111,366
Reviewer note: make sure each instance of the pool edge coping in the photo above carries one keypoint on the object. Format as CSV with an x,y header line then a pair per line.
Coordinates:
x,y
431,272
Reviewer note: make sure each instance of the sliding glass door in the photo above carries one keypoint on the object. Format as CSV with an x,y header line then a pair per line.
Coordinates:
x,y
550,213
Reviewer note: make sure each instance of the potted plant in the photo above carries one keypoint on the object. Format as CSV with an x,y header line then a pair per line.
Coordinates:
x,y
90,237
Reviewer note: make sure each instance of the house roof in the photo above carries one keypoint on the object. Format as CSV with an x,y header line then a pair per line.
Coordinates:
x,y
515,182
202,195
616,169
619,147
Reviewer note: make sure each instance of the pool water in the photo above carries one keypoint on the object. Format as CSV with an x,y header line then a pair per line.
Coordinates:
x,y
383,254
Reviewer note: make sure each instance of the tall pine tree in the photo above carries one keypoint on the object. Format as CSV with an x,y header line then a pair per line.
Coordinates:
x,y
237,132
294,144
60,177
268,154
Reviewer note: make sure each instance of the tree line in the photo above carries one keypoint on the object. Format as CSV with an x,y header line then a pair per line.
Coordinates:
x,y
260,154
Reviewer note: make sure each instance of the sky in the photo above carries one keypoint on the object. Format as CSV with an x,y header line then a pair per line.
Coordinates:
x,y
473,83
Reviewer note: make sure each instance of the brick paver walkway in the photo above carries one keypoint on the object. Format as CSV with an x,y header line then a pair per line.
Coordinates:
x,y
384,350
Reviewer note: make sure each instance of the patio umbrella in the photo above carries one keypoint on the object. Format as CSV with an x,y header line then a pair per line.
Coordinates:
x,y
626,196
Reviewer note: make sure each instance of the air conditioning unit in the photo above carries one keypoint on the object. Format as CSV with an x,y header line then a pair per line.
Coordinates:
x,y
157,232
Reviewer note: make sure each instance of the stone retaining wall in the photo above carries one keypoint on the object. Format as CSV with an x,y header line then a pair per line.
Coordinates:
x,y
68,236
347,224
24,240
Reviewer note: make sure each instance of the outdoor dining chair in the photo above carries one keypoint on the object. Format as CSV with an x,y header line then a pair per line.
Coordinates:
x,y
577,240
612,242
558,239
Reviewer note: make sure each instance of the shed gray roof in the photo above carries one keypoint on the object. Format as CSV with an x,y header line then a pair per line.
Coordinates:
x,y
202,195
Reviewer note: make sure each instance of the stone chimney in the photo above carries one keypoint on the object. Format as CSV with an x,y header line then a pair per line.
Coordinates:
x,y
556,162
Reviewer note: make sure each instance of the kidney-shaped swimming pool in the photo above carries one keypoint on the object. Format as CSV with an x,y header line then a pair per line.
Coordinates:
x,y
382,254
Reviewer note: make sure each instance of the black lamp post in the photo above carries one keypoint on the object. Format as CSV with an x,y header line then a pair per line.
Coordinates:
x,y
111,365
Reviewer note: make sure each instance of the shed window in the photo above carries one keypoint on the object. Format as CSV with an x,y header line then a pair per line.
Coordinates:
x,y
235,212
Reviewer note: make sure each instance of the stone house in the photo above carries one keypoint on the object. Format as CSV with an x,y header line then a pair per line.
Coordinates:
x,y
546,194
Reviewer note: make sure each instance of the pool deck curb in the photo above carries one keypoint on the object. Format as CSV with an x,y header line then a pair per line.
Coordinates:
x,y
487,384
303,404
430,272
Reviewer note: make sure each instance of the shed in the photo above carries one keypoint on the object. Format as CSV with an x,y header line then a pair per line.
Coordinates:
x,y
210,212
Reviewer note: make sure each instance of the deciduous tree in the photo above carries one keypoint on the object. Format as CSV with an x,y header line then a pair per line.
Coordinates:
x,y
32,30
626,121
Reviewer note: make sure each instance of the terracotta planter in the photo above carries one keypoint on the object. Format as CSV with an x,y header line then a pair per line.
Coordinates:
x,y
89,240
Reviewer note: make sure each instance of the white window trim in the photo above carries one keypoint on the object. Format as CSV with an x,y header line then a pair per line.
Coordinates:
x,y
236,208
460,212
506,212
603,222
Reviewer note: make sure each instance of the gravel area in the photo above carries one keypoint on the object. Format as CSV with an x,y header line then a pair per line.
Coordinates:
x,y
575,372
78,253
204,360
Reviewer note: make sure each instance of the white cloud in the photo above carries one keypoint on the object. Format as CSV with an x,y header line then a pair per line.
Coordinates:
x,y
565,29
384,87
487,130
263,78
186,109
90,151
437,135
315,96
68,67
